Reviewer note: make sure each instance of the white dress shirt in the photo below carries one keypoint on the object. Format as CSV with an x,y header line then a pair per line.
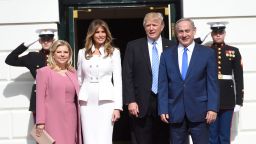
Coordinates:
x,y
158,46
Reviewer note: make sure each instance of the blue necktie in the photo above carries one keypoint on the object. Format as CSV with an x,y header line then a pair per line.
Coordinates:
x,y
155,67
184,67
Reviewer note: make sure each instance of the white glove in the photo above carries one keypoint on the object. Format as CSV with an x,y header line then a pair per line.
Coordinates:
x,y
237,108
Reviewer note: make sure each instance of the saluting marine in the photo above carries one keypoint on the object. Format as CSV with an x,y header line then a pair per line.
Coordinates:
x,y
230,75
32,60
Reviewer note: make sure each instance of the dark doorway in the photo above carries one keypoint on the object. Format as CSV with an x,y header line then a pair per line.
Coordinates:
x,y
122,30
125,24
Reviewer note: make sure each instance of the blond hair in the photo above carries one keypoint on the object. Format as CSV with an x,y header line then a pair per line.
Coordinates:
x,y
154,16
52,63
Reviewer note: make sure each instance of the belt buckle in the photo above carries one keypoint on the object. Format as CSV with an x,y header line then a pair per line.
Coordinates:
x,y
220,76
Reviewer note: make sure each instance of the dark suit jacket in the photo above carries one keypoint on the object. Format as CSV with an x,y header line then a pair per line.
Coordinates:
x,y
229,63
195,95
137,75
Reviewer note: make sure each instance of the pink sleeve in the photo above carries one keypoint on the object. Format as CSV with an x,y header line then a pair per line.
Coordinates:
x,y
41,88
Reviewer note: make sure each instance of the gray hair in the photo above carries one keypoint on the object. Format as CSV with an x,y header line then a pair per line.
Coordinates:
x,y
185,19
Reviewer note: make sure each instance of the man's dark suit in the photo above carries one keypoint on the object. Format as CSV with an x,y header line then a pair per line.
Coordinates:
x,y
188,99
137,80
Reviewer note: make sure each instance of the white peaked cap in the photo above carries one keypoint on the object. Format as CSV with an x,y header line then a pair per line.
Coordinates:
x,y
46,31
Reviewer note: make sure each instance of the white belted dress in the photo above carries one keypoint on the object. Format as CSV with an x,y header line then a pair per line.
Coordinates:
x,y
100,93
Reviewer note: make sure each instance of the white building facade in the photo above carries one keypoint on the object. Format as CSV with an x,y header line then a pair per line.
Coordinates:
x,y
19,20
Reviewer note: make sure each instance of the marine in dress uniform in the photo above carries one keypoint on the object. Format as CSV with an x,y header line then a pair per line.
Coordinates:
x,y
32,60
230,75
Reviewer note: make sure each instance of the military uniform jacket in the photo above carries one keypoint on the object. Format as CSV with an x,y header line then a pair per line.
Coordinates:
x,y
229,64
32,61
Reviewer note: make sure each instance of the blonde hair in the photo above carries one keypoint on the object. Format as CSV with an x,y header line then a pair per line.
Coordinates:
x,y
154,16
52,63
95,24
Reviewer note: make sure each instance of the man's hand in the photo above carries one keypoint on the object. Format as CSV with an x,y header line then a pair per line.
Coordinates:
x,y
133,109
210,117
165,118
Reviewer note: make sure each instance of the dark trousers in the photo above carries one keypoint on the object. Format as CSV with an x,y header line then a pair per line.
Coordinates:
x,y
149,129
179,132
220,129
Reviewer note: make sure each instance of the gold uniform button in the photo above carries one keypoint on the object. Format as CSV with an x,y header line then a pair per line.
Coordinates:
x,y
219,52
219,67
37,66
219,62
219,49
219,57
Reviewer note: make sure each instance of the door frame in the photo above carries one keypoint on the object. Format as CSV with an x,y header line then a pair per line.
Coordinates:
x,y
69,12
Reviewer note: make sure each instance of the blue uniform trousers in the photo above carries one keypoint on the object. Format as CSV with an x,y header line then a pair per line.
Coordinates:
x,y
220,129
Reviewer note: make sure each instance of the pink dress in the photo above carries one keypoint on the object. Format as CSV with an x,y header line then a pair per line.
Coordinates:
x,y
70,109
58,106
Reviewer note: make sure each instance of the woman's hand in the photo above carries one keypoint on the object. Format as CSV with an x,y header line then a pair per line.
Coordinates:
x,y
115,115
39,129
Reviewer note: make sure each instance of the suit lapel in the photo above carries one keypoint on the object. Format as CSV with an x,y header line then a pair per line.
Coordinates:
x,y
165,43
193,59
176,61
145,53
